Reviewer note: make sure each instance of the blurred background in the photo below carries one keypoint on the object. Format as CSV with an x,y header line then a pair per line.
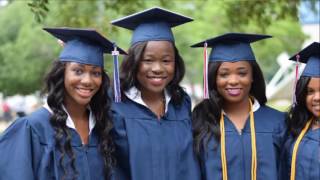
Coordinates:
x,y
26,51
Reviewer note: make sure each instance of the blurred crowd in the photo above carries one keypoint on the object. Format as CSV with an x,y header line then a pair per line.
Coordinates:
x,y
18,106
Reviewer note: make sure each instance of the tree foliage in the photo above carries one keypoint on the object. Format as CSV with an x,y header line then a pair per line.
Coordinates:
x,y
26,51
23,56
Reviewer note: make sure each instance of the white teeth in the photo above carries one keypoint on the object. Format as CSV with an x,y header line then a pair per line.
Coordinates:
x,y
156,77
84,90
233,91
316,107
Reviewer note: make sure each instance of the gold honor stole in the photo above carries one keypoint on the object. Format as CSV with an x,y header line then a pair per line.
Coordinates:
x,y
253,147
295,149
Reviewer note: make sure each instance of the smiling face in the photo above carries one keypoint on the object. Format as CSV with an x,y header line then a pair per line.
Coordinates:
x,y
313,96
81,83
156,67
234,81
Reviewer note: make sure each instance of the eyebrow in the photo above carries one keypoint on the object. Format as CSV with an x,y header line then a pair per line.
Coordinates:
x,y
83,65
242,68
239,68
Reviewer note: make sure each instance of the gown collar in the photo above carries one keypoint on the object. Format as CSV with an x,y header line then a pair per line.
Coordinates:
x,y
70,123
135,95
255,106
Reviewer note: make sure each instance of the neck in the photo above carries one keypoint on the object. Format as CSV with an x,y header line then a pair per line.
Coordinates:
x,y
76,112
238,113
316,123
152,97
80,118
155,102
237,108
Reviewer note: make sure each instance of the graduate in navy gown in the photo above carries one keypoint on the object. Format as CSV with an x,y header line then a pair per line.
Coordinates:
x,y
302,149
69,137
152,124
236,136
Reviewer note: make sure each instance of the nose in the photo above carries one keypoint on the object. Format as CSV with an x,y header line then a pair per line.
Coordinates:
x,y
86,79
233,80
317,96
157,67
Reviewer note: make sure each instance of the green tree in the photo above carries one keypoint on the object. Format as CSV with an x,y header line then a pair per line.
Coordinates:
x,y
24,56
26,51
217,17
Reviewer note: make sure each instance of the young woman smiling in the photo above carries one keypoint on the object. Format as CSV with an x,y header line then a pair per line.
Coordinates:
x,y
301,154
69,137
236,136
153,133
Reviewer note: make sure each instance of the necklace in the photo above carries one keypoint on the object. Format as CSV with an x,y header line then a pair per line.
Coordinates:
x,y
163,101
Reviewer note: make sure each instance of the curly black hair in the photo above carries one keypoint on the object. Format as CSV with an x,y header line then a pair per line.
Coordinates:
x,y
100,105
130,65
206,115
298,114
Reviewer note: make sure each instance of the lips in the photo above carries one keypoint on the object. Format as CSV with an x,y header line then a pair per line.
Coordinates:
x,y
156,81
316,107
84,92
234,91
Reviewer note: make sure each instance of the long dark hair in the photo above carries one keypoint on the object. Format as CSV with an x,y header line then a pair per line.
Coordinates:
x,y
298,114
100,106
130,67
206,115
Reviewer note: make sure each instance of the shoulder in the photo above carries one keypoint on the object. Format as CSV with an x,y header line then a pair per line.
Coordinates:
x,y
39,119
39,123
186,99
180,111
269,119
124,107
184,105
268,112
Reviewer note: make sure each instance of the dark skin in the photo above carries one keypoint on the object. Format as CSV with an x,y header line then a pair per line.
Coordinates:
x,y
81,83
155,103
234,83
238,113
313,100
156,70
80,117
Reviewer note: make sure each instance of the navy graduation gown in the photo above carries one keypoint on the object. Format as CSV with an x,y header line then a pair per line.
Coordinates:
x,y
152,149
28,152
270,130
308,157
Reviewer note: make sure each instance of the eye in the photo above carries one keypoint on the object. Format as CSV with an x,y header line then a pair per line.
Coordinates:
x,y
223,74
146,60
78,71
167,61
310,91
242,73
96,73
